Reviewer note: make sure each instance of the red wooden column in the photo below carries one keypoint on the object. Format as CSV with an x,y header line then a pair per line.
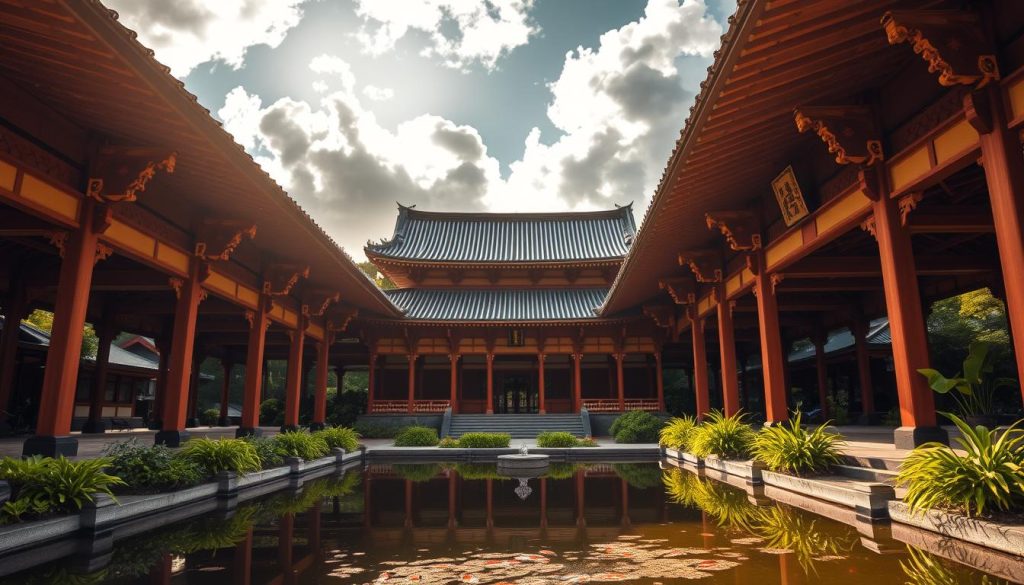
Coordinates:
x,y
285,542
60,378
727,355
320,391
226,367
179,370
408,503
772,357
543,503
412,382
1004,174
620,381
700,366
906,323
192,419
659,378
490,503
163,348
259,320
540,383
241,571
105,335
577,381
453,391
867,393
453,502
819,340
490,383
581,519
293,385
15,309
371,382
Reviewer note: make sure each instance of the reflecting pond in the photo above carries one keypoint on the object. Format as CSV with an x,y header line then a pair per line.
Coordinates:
x,y
447,523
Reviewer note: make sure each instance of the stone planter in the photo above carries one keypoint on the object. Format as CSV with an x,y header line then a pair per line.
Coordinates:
x,y
869,499
684,456
5,492
748,470
17,536
258,477
103,511
331,459
1001,537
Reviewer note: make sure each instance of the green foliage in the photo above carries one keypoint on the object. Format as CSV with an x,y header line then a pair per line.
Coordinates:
x,y
922,568
729,507
43,320
215,455
448,443
838,405
346,404
342,437
375,275
729,437
559,439
676,432
478,471
377,430
783,529
990,476
209,417
636,426
146,468
976,386
417,436
43,485
272,412
562,470
485,440
301,444
266,451
638,475
792,449
417,472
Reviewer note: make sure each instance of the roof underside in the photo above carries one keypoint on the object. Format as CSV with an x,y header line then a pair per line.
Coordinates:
x,y
505,305
523,237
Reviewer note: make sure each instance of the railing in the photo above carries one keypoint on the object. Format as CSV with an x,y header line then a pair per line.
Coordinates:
x,y
612,404
402,406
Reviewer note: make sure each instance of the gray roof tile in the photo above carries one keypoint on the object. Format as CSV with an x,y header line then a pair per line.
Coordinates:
x,y
519,304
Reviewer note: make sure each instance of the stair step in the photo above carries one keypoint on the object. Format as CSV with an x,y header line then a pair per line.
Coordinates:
x,y
519,426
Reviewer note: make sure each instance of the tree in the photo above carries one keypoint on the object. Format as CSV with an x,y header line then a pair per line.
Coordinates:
x,y
376,275
43,320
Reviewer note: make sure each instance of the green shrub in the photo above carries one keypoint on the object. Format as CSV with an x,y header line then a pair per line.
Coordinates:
x,y
213,456
636,426
151,467
266,451
417,472
989,477
44,485
209,417
272,412
342,437
473,471
558,440
484,440
377,430
562,469
417,436
729,437
792,449
638,475
448,443
301,444
676,433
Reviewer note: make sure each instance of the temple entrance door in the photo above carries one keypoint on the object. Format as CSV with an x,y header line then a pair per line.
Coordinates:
x,y
517,396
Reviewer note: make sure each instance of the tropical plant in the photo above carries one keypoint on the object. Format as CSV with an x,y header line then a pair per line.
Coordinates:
x,y
272,412
638,475
990,476
784,529
377,430
215,455
730,507
151,467
792,449
975,384
561,439
266,451
301,444
728,437
209,417
485,440
340,437
417,436
54,485
448,443
676,432
635,426
926,569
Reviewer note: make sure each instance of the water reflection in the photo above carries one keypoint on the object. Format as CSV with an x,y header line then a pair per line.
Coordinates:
x,y
445,523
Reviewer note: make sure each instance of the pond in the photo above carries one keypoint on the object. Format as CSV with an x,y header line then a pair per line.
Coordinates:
x,y
464,523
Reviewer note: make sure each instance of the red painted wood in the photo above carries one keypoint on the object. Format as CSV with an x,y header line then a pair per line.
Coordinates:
x,y
727,356
254,367
411,400
105,335
659,380
620,383
700,367
179,369
371,384
293,385
454,390
577,382
490,384
772,361
540,383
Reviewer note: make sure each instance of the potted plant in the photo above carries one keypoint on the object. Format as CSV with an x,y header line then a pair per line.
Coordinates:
x,y
974,387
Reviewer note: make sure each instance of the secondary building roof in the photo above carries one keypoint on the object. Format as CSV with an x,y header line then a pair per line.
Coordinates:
x,y
510,305
508,237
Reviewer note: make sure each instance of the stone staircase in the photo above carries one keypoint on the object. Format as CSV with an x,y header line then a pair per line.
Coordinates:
x,y
520,426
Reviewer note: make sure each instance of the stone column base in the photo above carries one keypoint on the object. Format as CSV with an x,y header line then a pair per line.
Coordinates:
x,y
247,432
171,438
50,446
910,437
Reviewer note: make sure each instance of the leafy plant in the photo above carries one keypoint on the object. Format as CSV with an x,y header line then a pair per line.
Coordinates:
x,y
783,529
484,440
926,569
792,449
638,475
417,436
728,437
417,472
989,476
377,430
838,405
341,437
975,384
478,471
729,506
151,467
636,426
448,443
560,439
301,444
562,469
54,485
266,451
676,432
215,455
272,412
209,417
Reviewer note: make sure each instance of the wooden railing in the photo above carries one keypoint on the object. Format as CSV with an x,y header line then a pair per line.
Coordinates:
x,y
400,406
612,404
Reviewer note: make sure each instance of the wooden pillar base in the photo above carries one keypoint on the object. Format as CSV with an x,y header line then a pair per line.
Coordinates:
x,y
172,438
50,446
289,428
243,432
910,437
317,426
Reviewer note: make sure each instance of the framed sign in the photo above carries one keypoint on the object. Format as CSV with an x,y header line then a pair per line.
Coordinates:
x,y
516,338
789,196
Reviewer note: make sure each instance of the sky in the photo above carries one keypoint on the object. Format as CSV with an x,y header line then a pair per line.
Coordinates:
x,y
354,106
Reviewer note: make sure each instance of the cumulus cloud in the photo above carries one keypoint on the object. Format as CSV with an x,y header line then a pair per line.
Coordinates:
x,y
187,33
378,94
459,32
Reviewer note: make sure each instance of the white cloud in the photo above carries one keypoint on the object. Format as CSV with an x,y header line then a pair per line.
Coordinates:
x,y
378,94
483,32
187,33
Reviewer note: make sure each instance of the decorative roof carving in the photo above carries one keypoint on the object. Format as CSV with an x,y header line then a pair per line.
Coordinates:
x,y
740,229
847,131
682,290
219,238
119,174
706,265
952,42
280,279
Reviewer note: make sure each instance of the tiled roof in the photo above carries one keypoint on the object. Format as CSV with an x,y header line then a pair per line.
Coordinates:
x,y
509,237
519,304
118,357
878,334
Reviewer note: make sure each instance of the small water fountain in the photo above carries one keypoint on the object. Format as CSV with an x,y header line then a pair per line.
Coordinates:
x,y
522,461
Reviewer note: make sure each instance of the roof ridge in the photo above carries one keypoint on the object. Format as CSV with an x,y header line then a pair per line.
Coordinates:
x,y
618,210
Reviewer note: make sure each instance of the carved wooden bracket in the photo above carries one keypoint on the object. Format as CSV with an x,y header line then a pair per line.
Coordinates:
x,y
952,42
120,173
847,131
456,275
103,252
705,264
662,315
317,301
978,111
341,317
867,180
740,228
178,284
869,226
775,279
282,278
908,203
682,290
219,238
58,239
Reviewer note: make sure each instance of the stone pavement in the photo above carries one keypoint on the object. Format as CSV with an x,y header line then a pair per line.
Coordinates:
x,y
91,446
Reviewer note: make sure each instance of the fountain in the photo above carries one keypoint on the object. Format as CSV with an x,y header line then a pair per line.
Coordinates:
x,y
522,461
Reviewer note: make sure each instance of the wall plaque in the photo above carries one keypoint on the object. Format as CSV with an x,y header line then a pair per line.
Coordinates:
x,y
789,196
